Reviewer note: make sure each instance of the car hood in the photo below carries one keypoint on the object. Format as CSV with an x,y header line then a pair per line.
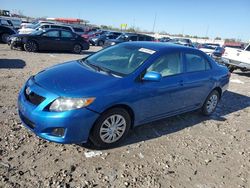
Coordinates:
x,y
20,35
74,79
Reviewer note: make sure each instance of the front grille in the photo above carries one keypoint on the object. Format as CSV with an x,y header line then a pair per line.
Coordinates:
x,y
27,122
34,98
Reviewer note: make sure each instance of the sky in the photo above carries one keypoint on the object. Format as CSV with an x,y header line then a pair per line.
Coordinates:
x,y
212,18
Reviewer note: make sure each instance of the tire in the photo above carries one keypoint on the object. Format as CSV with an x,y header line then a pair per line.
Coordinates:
x,y
4,37
100,43
77,49
31,46
211,102
231,69
106,134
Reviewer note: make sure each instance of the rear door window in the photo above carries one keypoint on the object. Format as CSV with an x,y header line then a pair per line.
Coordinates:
x,y
66,34
141,38
195,62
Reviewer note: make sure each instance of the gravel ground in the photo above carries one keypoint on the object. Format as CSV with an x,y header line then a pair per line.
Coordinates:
x,y
188,150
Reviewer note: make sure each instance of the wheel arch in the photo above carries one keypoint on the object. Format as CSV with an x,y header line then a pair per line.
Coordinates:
x,y
128,109
219,91
125,107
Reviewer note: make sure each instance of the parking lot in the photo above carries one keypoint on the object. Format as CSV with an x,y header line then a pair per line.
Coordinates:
x,y
188,150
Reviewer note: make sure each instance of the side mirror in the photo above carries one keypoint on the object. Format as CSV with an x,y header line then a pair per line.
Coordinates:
x,y
152,76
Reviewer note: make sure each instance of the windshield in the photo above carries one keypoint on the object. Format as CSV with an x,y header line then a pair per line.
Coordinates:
x,y
36,26
122,37
120,59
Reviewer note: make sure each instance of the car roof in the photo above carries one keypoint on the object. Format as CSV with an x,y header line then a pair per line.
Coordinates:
x,y
136,34
158,46
55,24
57,29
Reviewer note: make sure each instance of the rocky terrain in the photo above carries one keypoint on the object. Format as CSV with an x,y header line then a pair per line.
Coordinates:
x,y
188,150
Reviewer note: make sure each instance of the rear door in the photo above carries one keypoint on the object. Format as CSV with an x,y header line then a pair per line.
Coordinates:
x,y
49,40
68,40
198,79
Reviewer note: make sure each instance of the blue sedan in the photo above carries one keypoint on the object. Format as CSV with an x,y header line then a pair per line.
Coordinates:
x,y
101,97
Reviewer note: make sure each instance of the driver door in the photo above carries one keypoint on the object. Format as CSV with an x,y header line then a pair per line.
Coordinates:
x,y
165,97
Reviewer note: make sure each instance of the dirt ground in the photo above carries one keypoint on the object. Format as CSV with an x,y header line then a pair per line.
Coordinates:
x,y
188,150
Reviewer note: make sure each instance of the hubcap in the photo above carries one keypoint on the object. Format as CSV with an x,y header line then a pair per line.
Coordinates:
x,y
31,46
211,103
5,38
112,128
77,48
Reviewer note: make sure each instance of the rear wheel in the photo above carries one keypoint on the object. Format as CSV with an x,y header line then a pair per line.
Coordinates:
x,y
77,48
100,43
5,37
110,128
30,46
231,68
211,103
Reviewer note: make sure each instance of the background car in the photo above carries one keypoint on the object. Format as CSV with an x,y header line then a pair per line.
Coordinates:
x,y
182,41
5,33
128,37
52,39
164,39
92,33
43,26
99,40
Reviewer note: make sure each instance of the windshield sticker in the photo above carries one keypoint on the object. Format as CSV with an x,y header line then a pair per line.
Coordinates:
x,y
145,50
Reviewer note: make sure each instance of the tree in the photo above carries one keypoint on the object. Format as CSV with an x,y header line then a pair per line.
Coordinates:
x,y
217,38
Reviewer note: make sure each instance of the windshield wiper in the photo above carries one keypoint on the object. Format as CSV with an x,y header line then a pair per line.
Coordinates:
x,y
98,68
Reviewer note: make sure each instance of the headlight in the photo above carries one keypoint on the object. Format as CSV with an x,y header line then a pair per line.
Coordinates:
x,y
94,39
64,104
16,39
112,43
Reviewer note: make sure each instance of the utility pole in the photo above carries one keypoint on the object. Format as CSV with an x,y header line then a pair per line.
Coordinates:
x,y
154,23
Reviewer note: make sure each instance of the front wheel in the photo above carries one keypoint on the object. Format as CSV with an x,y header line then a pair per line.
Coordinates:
x,y
77,48
30,46
112,126
100,43
211,102
5,37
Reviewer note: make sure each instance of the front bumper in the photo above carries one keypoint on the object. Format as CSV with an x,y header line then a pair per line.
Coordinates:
x,y
15,43
76,123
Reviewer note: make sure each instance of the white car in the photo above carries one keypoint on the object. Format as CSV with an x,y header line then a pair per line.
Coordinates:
x,y
208,49
237,58
50,26
35,24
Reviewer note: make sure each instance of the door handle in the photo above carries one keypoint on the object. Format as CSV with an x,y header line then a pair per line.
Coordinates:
x,y
181,82
57,39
